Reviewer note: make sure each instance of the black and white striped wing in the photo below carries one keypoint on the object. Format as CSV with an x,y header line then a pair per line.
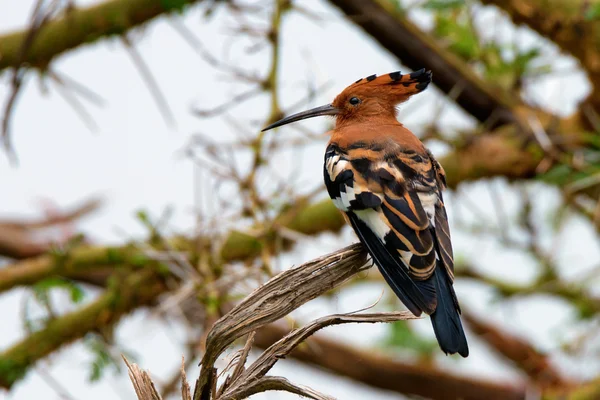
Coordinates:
x,y
393,217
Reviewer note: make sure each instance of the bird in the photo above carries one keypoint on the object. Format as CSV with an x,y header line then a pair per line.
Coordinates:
x,y
389,186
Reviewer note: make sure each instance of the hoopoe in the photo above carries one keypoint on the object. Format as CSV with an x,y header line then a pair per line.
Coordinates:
x,y
389,188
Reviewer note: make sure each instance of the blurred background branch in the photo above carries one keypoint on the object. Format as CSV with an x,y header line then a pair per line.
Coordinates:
x,y
522,166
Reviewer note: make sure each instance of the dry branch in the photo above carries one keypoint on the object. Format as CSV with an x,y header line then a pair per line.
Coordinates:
x,y
387,373
186,393
276,383
285,345
142,383
275,299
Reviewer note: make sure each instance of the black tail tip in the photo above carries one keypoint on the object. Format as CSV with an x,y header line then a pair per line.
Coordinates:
x,y
463,350
450,336
446,322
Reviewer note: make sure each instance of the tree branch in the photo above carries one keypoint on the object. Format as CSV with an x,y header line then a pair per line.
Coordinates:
x,y
563,22
488,156
535,364
308,219
386,373
416,49
135,290
18,238
577,295
80,26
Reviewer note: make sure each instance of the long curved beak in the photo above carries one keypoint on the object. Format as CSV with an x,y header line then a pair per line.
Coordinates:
x,y
315,112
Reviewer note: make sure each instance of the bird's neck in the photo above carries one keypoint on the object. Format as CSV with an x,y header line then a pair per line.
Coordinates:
x,y
377,130
367,120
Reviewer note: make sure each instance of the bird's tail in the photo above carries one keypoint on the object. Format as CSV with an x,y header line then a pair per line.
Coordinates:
x,y
446,318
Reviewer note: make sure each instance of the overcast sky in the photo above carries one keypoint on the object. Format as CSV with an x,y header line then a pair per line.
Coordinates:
x,y
133,160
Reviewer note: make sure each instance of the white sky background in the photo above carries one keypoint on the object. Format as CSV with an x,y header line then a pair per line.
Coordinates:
x,y
134,161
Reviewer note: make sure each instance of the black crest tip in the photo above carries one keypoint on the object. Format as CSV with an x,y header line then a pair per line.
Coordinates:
x,y
421,75
395,76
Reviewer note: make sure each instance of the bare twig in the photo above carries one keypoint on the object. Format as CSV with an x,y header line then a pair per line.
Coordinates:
x,y
283,347
144,387
60,390
159,98
171,385
39,17
186,393
275,299
276,383
239,368
74,102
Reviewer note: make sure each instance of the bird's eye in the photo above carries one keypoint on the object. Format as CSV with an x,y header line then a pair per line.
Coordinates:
x,y
354,101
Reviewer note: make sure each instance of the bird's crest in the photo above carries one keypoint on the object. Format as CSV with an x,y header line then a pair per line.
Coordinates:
x,y
394,87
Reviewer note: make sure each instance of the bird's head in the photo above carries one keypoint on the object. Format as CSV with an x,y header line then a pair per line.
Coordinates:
x,y
370,97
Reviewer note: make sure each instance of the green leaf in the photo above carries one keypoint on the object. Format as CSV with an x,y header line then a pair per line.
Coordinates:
x,y
174,5
11,370
212,303
558,175
102,358
142,216
138,260
593,12
443,4
42,289
460,36
113,255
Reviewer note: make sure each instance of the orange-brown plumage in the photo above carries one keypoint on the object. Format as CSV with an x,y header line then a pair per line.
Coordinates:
x,y
389,187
